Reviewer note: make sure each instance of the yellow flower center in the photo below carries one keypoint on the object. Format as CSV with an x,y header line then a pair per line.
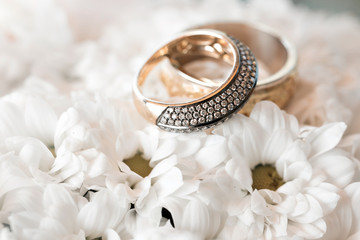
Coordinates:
x,y
266,177
139,165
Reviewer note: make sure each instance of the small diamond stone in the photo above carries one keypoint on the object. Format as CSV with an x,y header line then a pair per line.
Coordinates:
x,y
235,94
248,86
223,95
170,110
185,123
198,107
230,107
237,102
193,122
196,115
163,120
188,116
217,114
217,107
166,115
184,110
223,111
205,105
209,118
203,112
228,91
233,87
178,123
191,109
171,122
223,103
181,116
230,99
211,102
253,74
201,120
177,110
217,99
237,82
243,84
242,97
211,109
174,116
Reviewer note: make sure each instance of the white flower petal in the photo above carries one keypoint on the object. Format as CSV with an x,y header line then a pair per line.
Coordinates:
x,y
326,194
168,182
104,211
12,120
163,166
271,118
110,234
339,222
259,205
32,152
213,153
337,166
353,191
278,142
188,145
240,172
40,120
310,210
196,218
325,138
308,231
165,149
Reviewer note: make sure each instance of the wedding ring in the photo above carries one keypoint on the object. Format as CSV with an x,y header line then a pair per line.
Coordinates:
x,y
217,105
276,57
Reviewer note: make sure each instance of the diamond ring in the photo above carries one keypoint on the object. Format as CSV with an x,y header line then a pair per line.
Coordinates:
x,y
276,57
215,106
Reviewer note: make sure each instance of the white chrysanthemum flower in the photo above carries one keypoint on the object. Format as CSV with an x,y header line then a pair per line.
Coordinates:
x,y
46,210
285,179
86,140
104,144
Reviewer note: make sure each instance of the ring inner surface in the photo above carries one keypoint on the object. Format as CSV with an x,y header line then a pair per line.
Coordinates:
x,y
269,50
184,53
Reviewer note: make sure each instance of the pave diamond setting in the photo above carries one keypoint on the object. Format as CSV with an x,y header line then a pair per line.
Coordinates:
x,y
218,108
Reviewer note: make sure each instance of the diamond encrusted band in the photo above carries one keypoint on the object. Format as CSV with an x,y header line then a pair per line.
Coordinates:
x,y
214,108
218,108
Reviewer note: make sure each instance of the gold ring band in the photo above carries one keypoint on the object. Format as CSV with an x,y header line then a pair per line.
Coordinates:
x,y
218,104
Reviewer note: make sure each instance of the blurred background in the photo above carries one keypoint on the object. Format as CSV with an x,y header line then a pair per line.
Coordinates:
x,y
333,6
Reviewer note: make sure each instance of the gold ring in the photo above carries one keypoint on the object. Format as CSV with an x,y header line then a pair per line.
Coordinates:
x,y
218,104
276,57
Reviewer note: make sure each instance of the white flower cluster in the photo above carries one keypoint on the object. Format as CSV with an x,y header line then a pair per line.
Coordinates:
x,y
78,162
